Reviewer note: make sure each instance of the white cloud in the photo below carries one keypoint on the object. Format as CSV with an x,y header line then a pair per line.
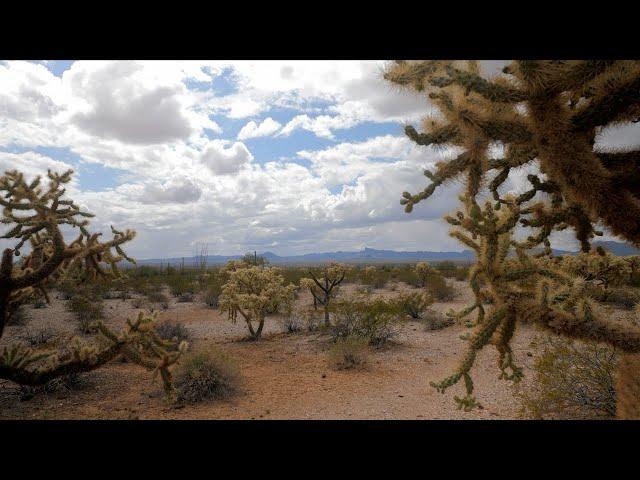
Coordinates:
x,y
31,164
123,103
253,130
224,161
176,190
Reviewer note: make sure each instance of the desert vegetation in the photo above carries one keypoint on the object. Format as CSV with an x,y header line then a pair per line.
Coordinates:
x,y
78,317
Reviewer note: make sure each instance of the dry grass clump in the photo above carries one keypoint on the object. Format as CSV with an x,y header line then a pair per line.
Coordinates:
x,y
39,337
348,353
65,383
207,374
572,380
434,320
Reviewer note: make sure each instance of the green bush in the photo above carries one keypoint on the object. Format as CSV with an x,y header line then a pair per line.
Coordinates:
x,y
371,319
87,310
572,380
206,374
413,304
439,289
348,352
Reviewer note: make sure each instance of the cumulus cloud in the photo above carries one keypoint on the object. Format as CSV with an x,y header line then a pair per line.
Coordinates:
x,y
31,164
224,161
188,181
176,190
121,105
253,130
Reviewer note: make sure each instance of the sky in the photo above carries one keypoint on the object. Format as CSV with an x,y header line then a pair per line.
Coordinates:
x,y
291,157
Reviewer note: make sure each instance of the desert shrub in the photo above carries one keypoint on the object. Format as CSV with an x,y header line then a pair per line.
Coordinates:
x,y
86,310
434,320
621,297
206,374
19,316
69,382
406,275
185,297
348,352
172,331
413,304
36,338
181,284
371,319
310,319
572,380
374,277
461,274
439,289
158,297
212,296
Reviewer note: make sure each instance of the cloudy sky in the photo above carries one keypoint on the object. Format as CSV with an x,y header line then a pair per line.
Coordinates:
x,y
287,156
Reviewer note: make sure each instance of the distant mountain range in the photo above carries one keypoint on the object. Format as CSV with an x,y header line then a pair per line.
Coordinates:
x,y
371,255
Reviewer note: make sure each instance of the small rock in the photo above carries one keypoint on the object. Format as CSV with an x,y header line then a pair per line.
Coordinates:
x,y
324,375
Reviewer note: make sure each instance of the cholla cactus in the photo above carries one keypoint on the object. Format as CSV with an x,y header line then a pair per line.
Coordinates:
x,y
324,283
601,267
35,215
423,271
254,292
549,112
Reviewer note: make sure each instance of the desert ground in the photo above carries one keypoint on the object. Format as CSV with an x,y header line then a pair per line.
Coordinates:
x,y
284,375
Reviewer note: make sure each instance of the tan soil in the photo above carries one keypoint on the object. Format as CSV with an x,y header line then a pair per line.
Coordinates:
x,y
284,376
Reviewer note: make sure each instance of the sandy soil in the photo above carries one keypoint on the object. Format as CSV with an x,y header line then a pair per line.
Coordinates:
x,y
284,376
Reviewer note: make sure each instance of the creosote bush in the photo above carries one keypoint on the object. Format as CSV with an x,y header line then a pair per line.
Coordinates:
x,y
206,374
87,311
348,352
438,288
572,380
413,304
372,319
